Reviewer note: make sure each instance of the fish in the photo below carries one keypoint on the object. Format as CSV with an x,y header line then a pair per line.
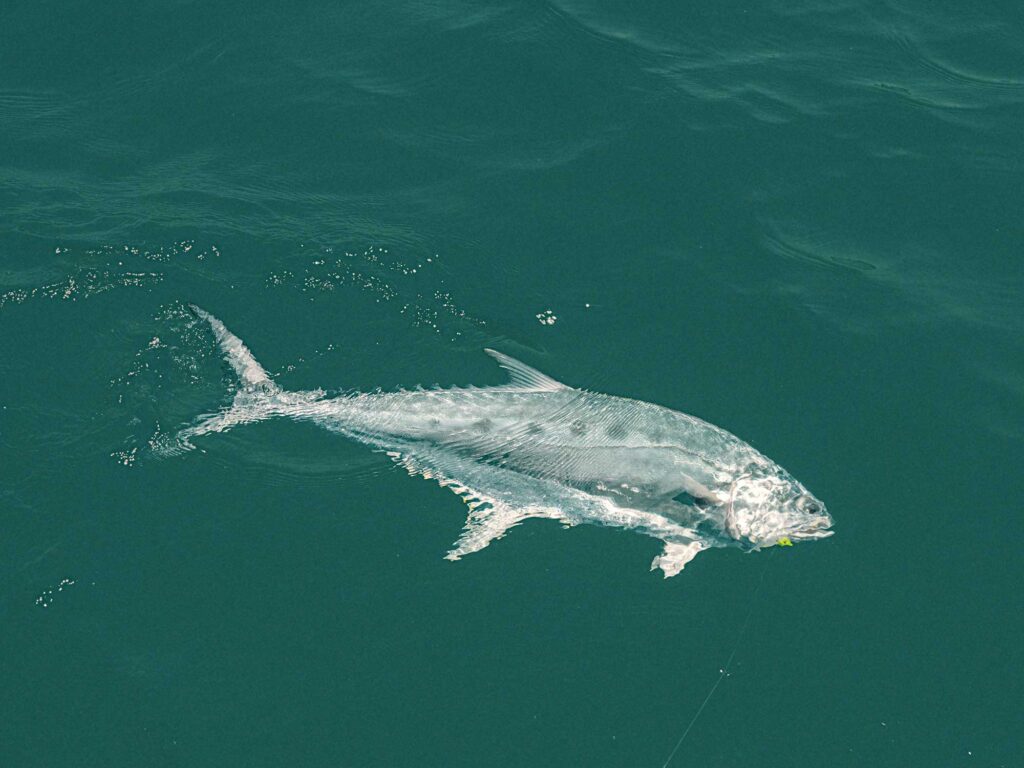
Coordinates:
x,y
537,448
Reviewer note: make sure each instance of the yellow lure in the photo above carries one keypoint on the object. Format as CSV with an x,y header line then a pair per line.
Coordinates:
x,y
784,542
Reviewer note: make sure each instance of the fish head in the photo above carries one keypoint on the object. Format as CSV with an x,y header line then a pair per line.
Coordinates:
x,y
767,507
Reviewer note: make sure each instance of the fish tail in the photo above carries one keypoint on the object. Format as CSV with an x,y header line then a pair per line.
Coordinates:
x,y
257,398
250,373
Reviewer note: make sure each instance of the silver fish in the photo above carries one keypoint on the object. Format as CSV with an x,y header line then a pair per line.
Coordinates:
x,y
538,448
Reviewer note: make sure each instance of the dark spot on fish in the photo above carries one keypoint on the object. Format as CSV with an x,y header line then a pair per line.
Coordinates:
x,y
693,501
535,429
578,428
616,431
483,425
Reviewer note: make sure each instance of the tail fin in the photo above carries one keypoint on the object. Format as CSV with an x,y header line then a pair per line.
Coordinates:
x,y
251,373
254,401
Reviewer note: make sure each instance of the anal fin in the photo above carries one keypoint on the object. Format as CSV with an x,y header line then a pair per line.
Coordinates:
x,y
496,504
487,522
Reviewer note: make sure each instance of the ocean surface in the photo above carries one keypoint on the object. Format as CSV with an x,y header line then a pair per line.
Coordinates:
x,y
800,220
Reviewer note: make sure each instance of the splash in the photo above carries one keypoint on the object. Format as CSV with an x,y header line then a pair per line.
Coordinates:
x,y
414,287
547,317
45,600
109,267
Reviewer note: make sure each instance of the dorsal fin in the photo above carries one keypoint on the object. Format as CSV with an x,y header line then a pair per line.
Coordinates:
x,y
523,376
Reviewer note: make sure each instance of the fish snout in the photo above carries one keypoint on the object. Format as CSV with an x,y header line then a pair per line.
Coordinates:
x,y
818,528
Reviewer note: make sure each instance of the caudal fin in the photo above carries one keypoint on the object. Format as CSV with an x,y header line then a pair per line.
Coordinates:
x,y
251,373
254,401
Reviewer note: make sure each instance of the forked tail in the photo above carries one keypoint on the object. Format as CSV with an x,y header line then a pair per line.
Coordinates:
x,y
250,373
255,400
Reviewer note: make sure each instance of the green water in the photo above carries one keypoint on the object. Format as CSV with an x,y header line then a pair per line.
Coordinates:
x,y
800,221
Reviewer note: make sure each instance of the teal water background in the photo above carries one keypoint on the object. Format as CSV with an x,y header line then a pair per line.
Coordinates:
x,y
800,221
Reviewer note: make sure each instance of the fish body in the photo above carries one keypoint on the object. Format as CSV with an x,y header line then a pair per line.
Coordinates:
x,y
538,448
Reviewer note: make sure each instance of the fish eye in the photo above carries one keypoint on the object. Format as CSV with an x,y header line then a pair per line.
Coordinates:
x,y
809,505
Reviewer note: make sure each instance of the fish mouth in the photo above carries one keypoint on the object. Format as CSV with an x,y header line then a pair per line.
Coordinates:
x,y
819,529
810,535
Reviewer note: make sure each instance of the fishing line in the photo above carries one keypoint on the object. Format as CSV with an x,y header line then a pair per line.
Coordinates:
x,y
724,671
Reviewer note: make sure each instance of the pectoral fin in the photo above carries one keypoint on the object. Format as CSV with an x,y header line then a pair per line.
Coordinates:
x,y
677,554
